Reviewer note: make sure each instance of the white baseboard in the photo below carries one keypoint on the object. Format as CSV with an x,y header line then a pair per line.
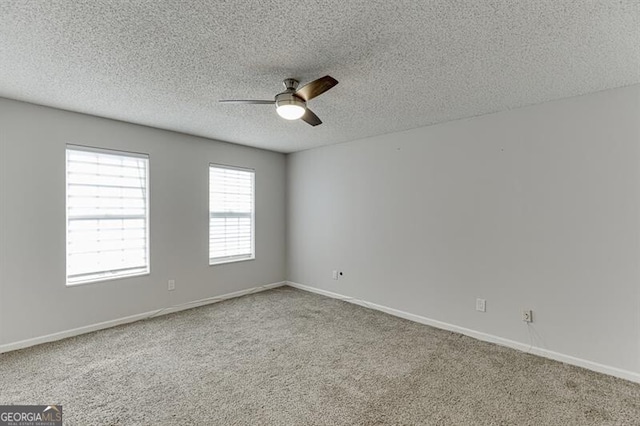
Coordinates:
x,y
119,321
590,365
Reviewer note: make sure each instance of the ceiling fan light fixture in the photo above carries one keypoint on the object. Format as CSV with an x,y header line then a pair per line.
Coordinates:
x,y
290,107
290,112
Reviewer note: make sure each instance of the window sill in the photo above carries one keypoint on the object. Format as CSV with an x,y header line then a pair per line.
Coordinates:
x,y
222,262
103,279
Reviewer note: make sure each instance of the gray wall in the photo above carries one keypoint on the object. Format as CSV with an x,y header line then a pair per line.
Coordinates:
x,y
532,208
34,300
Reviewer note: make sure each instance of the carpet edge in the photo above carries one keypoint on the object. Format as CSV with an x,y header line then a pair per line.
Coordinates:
x,y
22,344
534,350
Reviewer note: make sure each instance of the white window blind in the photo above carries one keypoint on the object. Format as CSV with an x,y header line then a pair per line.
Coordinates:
x,y
231,214
107,214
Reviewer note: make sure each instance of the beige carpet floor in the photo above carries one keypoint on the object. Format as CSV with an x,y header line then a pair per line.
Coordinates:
x,y
287,357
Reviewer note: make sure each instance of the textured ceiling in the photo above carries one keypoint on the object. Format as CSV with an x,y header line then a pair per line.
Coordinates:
x,y
401,64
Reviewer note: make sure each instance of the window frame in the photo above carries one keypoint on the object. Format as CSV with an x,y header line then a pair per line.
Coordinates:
x,y
113,277
242,258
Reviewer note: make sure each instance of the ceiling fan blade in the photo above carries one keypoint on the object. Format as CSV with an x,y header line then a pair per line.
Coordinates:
x,y
311,118
246,101
316,87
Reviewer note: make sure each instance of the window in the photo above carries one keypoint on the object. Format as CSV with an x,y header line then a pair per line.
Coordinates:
x,y
107,214
231,214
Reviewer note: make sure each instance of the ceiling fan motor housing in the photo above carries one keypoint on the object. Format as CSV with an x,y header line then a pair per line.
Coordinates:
x,y
289,99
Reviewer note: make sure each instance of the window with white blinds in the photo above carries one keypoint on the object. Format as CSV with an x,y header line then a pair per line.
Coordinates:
x,y
107,214
231,214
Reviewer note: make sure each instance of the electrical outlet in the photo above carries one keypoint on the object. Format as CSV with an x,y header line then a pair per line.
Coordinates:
x,y
527,315
334,275
481,305
172,285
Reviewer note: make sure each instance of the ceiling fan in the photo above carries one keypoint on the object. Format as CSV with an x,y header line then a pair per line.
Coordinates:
x,y
292,103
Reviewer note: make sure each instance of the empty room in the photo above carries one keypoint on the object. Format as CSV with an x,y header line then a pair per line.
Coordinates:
x,y
319,212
